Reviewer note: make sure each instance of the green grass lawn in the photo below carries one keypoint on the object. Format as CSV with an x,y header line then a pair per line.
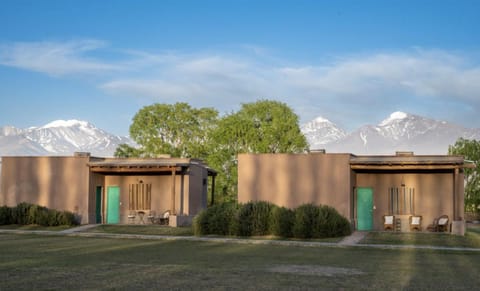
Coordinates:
x,y
147,229
470,240
35,227
52,262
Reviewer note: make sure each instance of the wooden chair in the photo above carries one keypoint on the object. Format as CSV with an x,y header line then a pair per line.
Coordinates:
x,y
415,222
388,222
151,216
164,220
442,224
439,224
131,217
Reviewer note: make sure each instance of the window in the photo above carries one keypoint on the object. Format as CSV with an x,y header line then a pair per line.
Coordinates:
x,y
401,200
139,196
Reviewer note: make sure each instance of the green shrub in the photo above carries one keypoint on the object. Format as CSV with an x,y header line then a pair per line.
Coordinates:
x,y
330,223
42,216
25,214
5,215
254,218
217,219
305,221
319,222
200,223
22,212
263,218
281,221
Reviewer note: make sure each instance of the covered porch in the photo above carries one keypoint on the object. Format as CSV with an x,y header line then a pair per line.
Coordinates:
x,y
410,193
141,191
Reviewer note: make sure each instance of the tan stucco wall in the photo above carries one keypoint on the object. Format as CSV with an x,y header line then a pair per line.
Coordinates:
x,y
291,180
433,194
55,182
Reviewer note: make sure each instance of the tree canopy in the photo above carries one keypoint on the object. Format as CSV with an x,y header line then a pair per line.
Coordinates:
x,y
470,149
260,127
182,131
178,130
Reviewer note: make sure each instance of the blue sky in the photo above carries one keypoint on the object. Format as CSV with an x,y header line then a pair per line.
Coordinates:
x,y
352,62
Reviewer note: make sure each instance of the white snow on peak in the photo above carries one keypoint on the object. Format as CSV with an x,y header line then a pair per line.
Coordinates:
x,y
398,115
66,123
321,119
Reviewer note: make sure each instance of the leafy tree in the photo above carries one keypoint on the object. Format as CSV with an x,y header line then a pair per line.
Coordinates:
x,y
470,149
260,127
125,151
182,131
178,130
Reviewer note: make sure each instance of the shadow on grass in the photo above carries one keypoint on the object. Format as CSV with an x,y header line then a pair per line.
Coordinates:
x,y
36,227
470,240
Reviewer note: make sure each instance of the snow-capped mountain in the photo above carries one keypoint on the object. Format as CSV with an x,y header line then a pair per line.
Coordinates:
x,y
61,137
399,132
321,131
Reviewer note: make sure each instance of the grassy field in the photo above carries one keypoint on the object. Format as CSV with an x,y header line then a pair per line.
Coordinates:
x,y
47,262
35,227
147,229
470,240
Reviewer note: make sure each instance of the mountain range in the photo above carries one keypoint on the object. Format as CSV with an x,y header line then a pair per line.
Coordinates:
x,y
398,132
60,137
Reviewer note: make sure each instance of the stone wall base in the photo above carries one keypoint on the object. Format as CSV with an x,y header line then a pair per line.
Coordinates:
x,y
180,220
458,227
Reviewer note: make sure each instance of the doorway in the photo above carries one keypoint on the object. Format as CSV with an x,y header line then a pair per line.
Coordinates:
x,y
113,204
364,208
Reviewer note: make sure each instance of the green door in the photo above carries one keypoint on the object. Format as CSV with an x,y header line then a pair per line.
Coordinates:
x,y
364,208
98,205
113,204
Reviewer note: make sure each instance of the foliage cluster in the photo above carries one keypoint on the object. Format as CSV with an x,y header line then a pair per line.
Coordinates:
x,y
470,150
263,218
180,130
25,214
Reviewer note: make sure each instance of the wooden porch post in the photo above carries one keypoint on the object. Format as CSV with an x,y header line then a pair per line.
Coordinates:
x,y
173,191
455,194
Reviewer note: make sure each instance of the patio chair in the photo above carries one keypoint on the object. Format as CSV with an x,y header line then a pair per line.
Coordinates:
x,y
151,216
131,217
442,223
415,222
439,224
164,220
388,222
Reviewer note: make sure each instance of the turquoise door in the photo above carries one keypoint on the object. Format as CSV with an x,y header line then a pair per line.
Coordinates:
x,y
364,208
113,204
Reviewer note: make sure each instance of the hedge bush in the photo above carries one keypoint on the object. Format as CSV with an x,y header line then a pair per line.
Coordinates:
x,y
25,214
305,222
253,218
5,215
264,218
218,219
281,221
319,222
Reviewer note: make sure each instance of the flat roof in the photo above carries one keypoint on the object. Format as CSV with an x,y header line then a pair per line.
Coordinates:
x,y
410,162
145,165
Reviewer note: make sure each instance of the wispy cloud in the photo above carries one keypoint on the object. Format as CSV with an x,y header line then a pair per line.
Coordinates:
x,y
55,58
347,89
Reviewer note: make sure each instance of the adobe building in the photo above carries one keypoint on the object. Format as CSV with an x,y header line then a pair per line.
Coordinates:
x,y
109,190
361,188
